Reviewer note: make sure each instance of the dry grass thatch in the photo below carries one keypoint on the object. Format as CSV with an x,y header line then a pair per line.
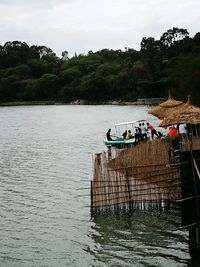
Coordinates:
x,y
171,103
187,113
163,112
165,108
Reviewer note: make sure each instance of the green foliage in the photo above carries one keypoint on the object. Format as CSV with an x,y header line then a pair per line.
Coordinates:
x,y
35,67
47,86
6,93
69,75
36,73
151,50
47,67
152,89
30,91
68,93
186,77
23,71
93,88
107,69
173,35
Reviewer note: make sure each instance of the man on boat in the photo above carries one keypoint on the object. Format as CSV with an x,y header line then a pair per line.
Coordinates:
x,y
124,134
108,136
137,136
129,135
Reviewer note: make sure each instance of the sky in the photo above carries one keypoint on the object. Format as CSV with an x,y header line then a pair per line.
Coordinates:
x,y
79,26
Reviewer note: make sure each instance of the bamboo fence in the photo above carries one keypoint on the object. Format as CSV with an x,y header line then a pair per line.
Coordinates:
x,y
190,142
145,176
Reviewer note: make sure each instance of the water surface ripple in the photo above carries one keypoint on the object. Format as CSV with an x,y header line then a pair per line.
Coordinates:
x,y
45,220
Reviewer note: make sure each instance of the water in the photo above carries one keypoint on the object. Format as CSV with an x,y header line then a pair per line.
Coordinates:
x,y
45,173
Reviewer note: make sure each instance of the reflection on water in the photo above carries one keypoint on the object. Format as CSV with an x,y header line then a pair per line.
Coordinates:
x,y
45,162
139,239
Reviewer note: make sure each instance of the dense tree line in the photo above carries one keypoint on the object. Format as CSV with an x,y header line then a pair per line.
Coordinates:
x,y
35,73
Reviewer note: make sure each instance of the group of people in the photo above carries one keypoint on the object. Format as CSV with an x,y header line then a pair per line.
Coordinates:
x,y
141,133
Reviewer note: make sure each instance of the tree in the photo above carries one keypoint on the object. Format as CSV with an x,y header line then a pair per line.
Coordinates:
x,y
197,38
6,93
16,52
112,86
173,35
126,84
65,55
107,68
93,88
151,50
47,66
186,77
48,86
23,71
69,75
35,67
42,51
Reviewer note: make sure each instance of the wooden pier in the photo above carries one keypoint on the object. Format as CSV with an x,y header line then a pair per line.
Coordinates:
x,y
151,175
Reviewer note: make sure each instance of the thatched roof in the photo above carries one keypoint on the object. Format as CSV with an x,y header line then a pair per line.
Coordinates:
x,y
165,108
171,103
187,113
161,112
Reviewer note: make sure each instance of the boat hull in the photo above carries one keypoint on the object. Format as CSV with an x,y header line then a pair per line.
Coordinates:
x,y
120,143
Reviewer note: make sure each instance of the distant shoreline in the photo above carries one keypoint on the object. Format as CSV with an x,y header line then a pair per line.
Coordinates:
x,y
140,101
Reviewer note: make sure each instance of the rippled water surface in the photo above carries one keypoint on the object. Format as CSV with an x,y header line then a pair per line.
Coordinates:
x,y
45,173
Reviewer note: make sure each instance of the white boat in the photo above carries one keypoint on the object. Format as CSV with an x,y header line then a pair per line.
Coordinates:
x,y
118,140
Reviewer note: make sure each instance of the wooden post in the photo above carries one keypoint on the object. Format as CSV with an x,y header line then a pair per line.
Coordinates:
x,y
190,187
91,195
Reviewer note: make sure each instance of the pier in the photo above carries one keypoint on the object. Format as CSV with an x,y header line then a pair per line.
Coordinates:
x,y
151,175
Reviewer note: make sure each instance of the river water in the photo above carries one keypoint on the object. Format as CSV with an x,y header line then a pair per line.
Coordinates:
x,y
45,173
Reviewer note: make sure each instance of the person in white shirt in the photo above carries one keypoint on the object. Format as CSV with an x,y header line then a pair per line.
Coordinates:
x,y
143,131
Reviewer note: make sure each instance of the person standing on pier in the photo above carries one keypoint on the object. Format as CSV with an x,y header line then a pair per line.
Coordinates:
x,y
173,132
152,130
143,131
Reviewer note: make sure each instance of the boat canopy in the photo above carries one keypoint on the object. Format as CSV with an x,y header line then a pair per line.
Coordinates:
x,y
129,122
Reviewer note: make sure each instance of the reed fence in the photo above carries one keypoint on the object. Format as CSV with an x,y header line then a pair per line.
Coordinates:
x,y
190,142
145,176
137,177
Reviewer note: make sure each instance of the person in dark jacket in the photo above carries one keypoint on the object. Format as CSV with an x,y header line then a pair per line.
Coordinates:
x,y
124,134
108,135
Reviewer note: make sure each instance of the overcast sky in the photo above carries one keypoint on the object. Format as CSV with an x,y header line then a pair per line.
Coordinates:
x,y
79,26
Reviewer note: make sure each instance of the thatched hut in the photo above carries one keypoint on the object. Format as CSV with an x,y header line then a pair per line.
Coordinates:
x,y
187,114
165,108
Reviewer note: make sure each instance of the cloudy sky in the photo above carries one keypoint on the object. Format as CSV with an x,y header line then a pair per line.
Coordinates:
x,y
79,26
